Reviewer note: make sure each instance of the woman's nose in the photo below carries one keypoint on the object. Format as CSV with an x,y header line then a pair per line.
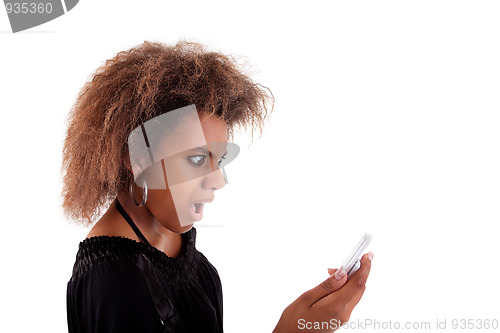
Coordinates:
x,y
214,180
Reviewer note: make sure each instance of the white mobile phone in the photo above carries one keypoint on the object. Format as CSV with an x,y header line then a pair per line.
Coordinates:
x,y
352,263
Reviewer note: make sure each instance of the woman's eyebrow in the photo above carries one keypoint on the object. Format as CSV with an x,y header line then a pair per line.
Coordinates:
x,y
202,149
206,151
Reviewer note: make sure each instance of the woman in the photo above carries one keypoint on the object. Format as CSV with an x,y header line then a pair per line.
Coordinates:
x,y
148,137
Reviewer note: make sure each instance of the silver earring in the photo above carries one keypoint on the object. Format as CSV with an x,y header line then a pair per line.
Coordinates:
x,y
144,193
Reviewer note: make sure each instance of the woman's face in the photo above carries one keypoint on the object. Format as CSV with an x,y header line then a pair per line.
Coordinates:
x,y
189,177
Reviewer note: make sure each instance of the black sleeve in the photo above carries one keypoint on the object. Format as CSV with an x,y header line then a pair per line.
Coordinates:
x,y
212,285
111,297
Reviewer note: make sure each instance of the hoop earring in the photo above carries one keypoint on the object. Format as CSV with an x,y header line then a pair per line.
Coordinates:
x,y
144,193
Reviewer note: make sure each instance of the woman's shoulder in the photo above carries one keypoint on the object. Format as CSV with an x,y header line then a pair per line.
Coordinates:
x,y
107,243
110,296
111,227
104,252
114,254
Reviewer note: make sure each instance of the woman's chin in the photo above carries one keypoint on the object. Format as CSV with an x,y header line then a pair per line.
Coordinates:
x,y
178,227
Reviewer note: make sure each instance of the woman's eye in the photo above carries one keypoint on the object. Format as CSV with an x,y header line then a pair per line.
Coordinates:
x,y
221,159
198,160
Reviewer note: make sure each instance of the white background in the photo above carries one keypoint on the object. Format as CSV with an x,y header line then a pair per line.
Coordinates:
x,y
386,121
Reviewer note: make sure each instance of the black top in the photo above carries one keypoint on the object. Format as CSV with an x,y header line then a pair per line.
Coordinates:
x,y
121,285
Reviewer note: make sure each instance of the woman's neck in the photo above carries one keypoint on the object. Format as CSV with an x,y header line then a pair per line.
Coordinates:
x,y
112,223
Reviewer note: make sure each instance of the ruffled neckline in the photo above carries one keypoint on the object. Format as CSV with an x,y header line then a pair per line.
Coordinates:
x,y
178,271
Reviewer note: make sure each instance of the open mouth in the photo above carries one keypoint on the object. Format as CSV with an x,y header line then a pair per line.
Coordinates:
x,y
196,210
198,206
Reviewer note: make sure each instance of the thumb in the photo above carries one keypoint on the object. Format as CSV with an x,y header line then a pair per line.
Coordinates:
x,y
330,285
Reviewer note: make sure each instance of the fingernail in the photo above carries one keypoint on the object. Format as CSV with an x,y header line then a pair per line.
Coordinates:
x,y
339,274
329,270
370,255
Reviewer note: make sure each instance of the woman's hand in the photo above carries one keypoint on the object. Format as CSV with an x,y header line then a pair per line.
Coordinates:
x,y
332,302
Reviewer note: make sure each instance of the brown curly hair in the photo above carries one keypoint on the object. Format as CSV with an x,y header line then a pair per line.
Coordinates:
x,y
133,87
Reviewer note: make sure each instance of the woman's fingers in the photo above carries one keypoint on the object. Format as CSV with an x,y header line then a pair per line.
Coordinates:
x,y
328,286
334,298
341,303
353,290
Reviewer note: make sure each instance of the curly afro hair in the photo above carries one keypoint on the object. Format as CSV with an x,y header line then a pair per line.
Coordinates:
x,y
133,87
